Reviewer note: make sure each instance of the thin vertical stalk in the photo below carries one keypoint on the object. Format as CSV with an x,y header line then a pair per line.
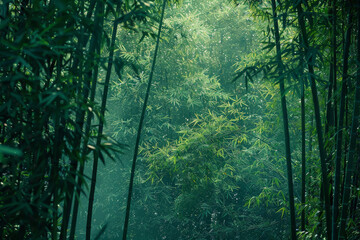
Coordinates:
x,y
332,114
303,156
54,175
339,136
286,123
80,116
332,78
131,183
91,77
83,154
355,183
310,147
350,167
325,181
101,124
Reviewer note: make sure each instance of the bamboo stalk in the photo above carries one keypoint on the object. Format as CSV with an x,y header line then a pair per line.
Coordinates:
x,y
286,124
131,183
339,136
325,181
351,163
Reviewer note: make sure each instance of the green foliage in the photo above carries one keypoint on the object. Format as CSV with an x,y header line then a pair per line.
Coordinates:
x,y
45,80
215,171
212,161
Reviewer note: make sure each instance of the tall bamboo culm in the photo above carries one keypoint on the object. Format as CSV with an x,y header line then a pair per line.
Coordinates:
x,y
142,117
285,122
340,126
310,62
351,160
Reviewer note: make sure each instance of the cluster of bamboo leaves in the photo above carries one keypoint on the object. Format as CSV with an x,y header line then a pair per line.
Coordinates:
x,y
309,55
314,47
55,57
195,86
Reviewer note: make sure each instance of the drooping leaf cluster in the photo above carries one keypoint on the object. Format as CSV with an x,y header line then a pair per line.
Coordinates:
x,y
53,53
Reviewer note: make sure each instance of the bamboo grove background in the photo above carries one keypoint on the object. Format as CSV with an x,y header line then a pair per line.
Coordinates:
x,y
251,124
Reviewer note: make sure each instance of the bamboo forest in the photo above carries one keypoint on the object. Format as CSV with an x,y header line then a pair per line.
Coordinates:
x,y
179,119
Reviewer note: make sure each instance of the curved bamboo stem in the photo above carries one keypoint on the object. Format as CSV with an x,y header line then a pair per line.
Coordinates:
x,y
127,215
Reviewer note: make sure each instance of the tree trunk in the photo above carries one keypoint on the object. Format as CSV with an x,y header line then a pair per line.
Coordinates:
x,y
350,167
98,40
127,214
286,123
325,182
341,126
303,157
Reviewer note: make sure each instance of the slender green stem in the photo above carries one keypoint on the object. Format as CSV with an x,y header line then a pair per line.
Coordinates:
x,y
339,136
350,167
325,181
99,18
127,215
303,157
286,123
